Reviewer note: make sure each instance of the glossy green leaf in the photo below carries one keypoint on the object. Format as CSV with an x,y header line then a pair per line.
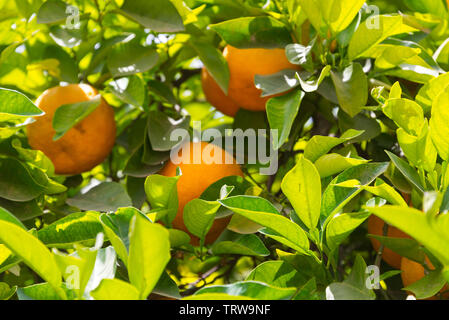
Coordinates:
x,y
302,186
281,113
81,227
248,245
264,213
277,273
107,196
253,32
149,252
159,16
251,289
199,215
336,197
351,86
429,231
409,173
69,115
439,124
130,58
33,252
366,37
407,114
330,164
320,145
162,194
115,289
214,62
14,104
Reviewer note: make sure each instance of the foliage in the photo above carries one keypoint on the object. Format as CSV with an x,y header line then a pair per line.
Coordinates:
x,y
363,126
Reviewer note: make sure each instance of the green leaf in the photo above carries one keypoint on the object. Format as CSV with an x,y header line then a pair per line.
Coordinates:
x,y
264,213
80,227
250,289
116,227
320,145
5,215
161,128
339,14
159,16
419,150
199,215
409,173
129,58
115,289
6,292
354,287
69,115
341,226
313,10
33,252
408,248
162,194
366,37
313,85
149,252
44,291
336,197
429,231
351,86
384,190
19,182
330,164
281,113
130,90
276,83
428,286
107,196
435,7
277,273
22,210
53,11
439,124
253,32
431,90
407,114
302,186
214,62
167,287
248,245
67,66
14,104
178,238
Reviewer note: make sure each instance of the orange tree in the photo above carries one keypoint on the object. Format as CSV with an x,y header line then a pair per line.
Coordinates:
x,y
99,100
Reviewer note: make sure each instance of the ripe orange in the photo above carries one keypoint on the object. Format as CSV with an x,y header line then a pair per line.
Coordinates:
x,y
244,65
195,178
413,271
85,145
375,227
216,96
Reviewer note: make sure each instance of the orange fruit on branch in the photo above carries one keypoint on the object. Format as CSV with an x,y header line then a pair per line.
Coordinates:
x,y
375,227
244,65
82,147
196,177
413,271
216,96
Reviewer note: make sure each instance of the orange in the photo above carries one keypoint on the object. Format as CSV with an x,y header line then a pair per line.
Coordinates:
x,y
196,177
216,96
413,271
85,145
375,227
244,65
